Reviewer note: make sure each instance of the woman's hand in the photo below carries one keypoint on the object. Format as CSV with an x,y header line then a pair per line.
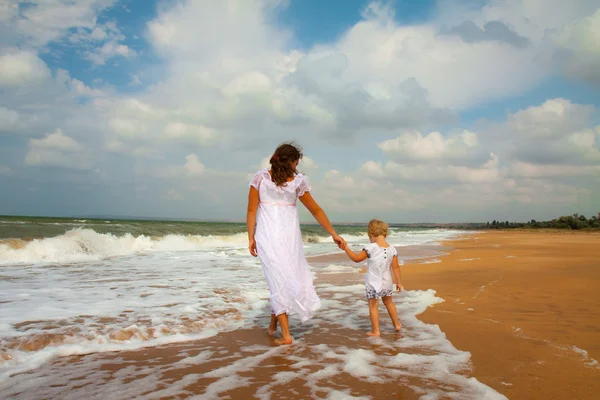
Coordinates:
x,y
341,243
252,247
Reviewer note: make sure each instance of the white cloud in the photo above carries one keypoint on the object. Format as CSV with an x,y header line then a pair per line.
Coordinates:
x,y
56,149
193,166
21,68
111,49
128,127
430,147
56,141
578,46
173,194
45,21
527,170
556,117
6,171
180,130
8,118
378,107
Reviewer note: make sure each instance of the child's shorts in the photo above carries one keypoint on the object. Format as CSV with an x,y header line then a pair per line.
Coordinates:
x,y
372,294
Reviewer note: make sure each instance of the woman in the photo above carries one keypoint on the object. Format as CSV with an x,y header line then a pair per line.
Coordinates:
x,y
274,236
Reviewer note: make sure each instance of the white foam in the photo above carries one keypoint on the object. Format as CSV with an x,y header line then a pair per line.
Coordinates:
x,y
125,303
134,292
79,244
421,355
336,269
431,261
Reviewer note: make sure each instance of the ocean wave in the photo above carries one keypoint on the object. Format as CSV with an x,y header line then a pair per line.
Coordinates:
x,y
84,244
88,245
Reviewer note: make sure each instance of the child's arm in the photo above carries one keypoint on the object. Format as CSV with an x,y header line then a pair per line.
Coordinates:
x,y
396,272
362,256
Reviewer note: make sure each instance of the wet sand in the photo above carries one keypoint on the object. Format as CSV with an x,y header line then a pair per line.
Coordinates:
x,y
526,305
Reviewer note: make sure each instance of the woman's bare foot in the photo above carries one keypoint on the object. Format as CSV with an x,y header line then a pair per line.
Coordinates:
x,y
283,341
272,326
371,333
398,327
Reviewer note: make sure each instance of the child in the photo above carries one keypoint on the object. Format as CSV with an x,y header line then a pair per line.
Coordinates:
x,y
383,259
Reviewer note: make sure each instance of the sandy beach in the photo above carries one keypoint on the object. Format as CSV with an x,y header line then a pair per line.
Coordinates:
x,y
526,305
520,318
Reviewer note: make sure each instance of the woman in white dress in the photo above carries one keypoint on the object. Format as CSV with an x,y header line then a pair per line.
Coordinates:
x,y
274,236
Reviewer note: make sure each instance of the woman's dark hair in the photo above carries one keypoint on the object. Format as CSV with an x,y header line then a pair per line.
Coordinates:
x,y
281,162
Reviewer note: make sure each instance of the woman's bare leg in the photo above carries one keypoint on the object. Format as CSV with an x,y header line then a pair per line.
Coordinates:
x,y
374,315
286,338
272,325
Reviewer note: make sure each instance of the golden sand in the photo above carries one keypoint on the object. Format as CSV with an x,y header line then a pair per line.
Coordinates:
x,y
526,305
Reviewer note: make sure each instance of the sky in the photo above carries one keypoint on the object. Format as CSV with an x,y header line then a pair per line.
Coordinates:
x,y
429,111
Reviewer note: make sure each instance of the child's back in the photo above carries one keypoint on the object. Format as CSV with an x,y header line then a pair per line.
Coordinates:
x,y
382,262
378,279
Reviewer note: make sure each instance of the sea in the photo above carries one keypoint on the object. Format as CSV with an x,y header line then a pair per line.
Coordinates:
x,y
78,295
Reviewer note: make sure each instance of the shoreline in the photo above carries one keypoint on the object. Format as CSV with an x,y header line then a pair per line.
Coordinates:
x,y
517,312
525,305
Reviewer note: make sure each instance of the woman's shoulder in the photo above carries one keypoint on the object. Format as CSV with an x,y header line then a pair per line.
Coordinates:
x,y
262,173
258,177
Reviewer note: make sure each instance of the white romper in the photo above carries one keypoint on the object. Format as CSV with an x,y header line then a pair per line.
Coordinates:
x,y
280,247
378,279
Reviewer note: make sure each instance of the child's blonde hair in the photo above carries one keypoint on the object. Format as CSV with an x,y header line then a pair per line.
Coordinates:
x,y
377,228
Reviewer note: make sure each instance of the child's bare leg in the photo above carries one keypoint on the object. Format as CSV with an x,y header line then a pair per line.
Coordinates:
x,y
272,325
286,338
374,315
391,307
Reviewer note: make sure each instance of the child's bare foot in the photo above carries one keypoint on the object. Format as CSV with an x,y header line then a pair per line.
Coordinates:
x,y
371,333
283,341
398,327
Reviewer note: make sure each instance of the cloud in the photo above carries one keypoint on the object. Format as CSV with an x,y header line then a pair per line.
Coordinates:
x,y
100,55
578,48
193,166
194,133
378,108
39,22
6,171
556,132
21,68
491,31
56,149
173,194
555,117
546,155
8,119
431,147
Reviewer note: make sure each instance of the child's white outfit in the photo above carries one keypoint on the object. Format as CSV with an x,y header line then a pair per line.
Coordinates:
x,y
280,247
378,280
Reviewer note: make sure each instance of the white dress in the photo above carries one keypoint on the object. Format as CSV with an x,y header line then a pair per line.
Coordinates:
x,y
280,248
378,279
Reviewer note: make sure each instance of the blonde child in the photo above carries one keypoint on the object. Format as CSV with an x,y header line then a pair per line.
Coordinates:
x,y
379,283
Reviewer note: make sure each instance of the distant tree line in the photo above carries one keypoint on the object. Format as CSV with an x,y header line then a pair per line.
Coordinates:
x,y
575,221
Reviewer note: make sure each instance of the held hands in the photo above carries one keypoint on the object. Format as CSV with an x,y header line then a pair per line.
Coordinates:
x,y
341,243
397,288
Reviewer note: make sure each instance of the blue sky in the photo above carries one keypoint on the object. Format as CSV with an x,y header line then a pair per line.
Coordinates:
x,y
444,110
